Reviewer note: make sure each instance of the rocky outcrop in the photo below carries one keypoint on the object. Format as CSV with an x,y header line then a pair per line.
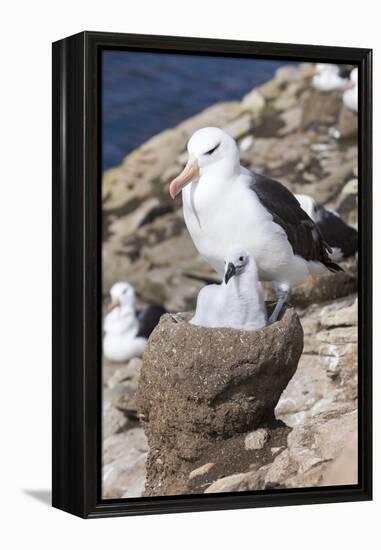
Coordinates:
x,y
124,450
326,379
124,458
321,452
200,387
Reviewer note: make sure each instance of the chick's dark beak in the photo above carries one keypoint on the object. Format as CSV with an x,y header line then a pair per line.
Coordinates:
x,y
230,271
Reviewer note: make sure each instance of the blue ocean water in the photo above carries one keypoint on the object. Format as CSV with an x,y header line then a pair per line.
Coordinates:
x,y
145,93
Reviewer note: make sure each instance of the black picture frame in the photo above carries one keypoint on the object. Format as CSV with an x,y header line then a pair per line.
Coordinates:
x,y
77,275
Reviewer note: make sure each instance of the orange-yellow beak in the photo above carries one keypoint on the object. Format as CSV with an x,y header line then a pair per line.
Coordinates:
x,y
190,172
112,305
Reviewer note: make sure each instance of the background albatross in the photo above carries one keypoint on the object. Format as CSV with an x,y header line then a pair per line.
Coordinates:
x,y
341,237
126,329
227,206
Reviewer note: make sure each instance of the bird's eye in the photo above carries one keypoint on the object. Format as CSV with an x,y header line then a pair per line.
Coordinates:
x,y
124,291
241,258
212,150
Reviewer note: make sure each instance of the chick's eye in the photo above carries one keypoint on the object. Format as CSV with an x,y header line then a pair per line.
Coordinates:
x,y
213,149
241,258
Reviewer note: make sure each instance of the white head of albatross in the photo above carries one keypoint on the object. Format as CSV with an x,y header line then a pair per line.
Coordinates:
x,y
327,78
225,206
123,296
211,151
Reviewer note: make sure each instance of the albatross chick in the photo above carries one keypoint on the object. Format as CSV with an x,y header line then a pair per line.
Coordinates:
x,y
235,303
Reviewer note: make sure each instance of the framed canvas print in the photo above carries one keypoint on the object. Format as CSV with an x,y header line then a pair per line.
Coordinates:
x,y
212,274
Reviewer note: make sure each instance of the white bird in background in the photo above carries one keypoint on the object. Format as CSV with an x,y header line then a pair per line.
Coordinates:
x,y
235,303
121,341
327,78
341,237
227,206
350,96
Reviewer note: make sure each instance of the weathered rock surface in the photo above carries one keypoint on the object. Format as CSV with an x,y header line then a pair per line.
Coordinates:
x,y
122,386
256,440
326,378
200,385
321,452
124,443
124,457
113,420
201,470
329,287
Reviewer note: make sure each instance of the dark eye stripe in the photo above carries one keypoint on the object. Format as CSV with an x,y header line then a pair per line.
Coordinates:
x,y
212,150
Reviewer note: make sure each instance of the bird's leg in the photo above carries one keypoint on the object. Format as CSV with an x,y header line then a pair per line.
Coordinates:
x,y
282,295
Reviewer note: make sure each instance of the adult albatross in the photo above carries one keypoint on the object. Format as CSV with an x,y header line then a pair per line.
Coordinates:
x,y
227,206
341,238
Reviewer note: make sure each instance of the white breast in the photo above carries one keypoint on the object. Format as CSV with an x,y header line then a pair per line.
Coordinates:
x,y
120,342
238,304
121,321
328,81
350,99
223,215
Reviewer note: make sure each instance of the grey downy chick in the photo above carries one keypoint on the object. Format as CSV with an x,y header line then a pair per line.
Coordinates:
x,y
235,303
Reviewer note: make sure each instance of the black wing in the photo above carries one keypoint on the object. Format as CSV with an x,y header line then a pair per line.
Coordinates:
x,y
303,234
345,71
149,318
336,232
